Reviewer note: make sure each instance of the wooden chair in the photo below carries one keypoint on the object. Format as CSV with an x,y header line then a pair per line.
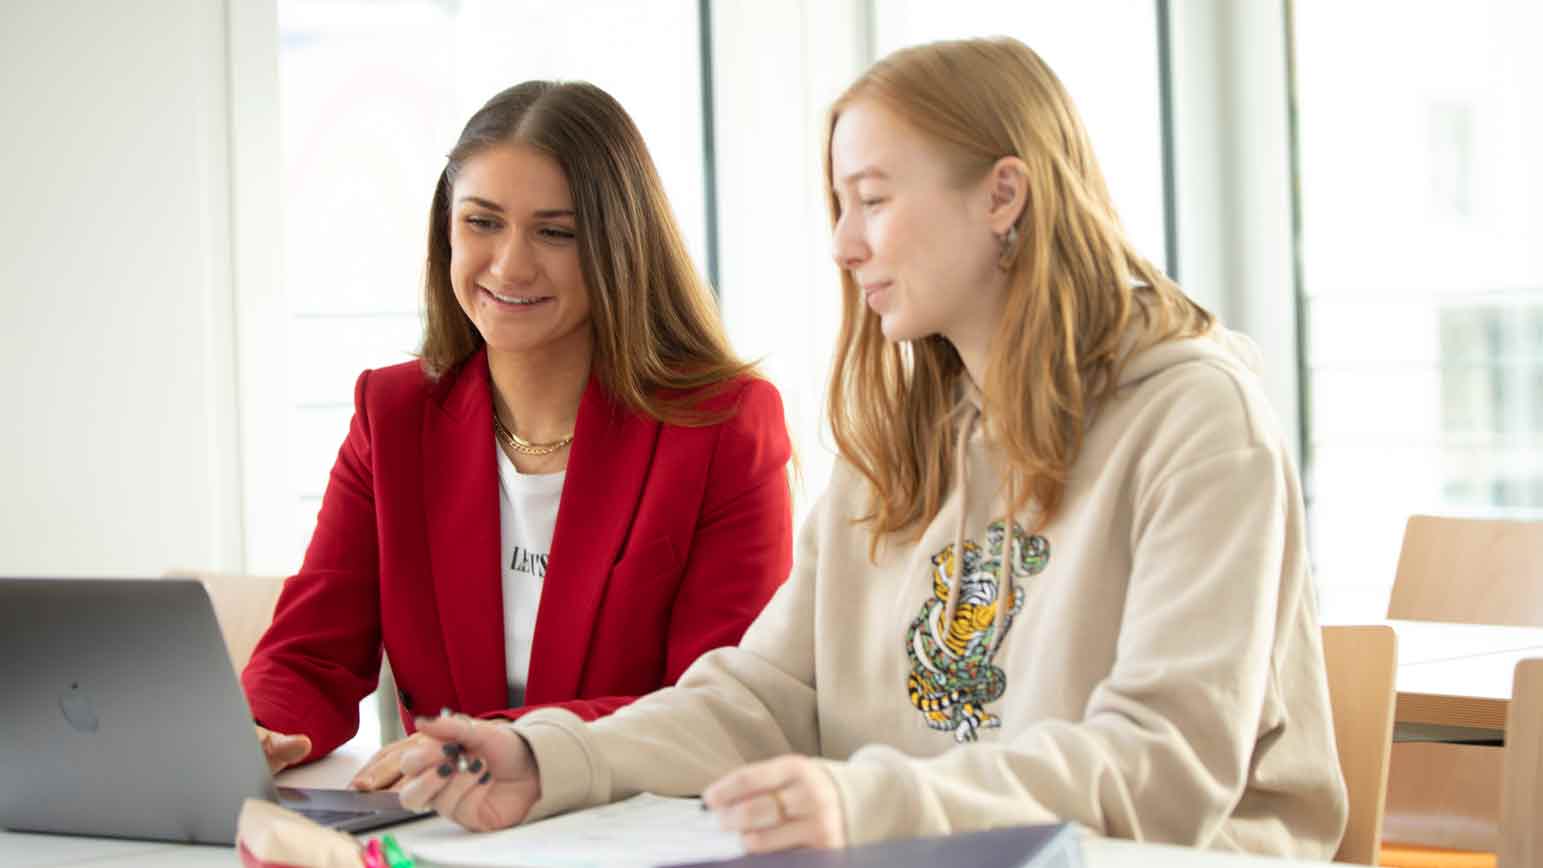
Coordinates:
x,y
1521,808
1471,571
1444,800
243,606
1362,664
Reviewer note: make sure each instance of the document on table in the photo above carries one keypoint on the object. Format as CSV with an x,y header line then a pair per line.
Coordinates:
x,y
641,832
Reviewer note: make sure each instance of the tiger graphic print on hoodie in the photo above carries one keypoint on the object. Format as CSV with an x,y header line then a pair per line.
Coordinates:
x,y
953,675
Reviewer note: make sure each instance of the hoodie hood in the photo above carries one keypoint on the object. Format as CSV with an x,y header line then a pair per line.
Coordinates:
x,y
1220,345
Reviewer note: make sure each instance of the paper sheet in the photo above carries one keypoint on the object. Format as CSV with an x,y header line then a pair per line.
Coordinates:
x,y
641,832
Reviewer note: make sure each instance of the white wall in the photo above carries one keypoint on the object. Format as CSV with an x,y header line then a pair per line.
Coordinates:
x,y
115,292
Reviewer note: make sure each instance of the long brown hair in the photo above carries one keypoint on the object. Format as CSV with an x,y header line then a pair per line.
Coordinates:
x,y
656,325
1075,284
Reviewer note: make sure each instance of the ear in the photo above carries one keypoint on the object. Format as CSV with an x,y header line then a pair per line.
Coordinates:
x,y
1008,186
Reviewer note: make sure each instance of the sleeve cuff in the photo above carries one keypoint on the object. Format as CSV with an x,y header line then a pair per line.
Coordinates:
x,y
872,808
572,775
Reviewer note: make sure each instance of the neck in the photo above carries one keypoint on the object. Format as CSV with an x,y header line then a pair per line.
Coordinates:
x,y
536,392
974,355
972,336
972,343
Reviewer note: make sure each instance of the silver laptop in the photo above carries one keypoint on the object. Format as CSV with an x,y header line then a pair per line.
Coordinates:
x,y
120,715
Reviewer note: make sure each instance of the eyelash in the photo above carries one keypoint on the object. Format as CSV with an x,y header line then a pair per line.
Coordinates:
x,y
872,202
488,224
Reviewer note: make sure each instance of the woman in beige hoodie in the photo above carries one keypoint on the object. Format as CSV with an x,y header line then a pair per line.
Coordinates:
x,y
1060,572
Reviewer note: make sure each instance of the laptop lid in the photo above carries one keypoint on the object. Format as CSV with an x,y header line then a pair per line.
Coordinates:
x,y
120,715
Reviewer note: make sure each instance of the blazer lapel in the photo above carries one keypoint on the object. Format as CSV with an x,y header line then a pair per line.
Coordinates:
x,y
460,485
612,450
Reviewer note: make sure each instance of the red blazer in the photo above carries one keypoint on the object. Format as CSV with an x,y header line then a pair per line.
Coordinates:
x,y
669,540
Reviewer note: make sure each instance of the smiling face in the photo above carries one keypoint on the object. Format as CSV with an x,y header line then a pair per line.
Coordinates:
x,y
919,246
514,259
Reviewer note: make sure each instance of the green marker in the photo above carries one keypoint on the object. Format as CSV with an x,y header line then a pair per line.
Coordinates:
x,y
395,856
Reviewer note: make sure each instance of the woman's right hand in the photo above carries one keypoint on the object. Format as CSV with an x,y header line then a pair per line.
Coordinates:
x,y
282,750
480,774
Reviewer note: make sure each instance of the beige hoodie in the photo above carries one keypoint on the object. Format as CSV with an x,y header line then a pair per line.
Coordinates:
x,y
1160,676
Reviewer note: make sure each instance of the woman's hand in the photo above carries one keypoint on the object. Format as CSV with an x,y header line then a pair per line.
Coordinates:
x,y
385,768
282,750
482,775
779,804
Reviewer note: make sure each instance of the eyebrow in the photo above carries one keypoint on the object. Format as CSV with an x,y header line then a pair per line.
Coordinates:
x,y
869,172
542,214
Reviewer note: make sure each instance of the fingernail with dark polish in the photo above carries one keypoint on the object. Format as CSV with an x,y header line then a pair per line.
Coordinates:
x,y
452,749
486,776
476,766
445,770
703,806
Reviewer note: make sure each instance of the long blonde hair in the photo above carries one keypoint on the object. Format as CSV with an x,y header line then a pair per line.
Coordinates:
x,y
656,325
1075,285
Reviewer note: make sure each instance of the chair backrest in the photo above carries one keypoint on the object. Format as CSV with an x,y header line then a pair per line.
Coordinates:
x,y
1362,663
1521,802
1470,570
244,607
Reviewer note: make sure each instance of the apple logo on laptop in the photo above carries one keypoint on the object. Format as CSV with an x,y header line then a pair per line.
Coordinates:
x,y
77,709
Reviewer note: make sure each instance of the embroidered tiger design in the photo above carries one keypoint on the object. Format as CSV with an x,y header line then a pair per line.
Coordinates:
x,y
952,674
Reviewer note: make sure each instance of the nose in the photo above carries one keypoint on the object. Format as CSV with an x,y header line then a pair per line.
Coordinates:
x,y
513,263
848,247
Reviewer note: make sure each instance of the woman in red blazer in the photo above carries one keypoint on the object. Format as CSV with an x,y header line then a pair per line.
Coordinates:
x,y
567,332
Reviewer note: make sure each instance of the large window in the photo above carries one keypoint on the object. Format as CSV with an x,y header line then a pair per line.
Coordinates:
x,y
1104,51
779,285
1422,255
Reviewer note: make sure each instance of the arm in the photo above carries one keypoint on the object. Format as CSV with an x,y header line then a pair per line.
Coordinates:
x,y
1164,748
741,549
733,706
321,655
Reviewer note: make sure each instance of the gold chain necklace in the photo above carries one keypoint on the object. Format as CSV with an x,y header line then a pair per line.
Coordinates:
x,y
525,447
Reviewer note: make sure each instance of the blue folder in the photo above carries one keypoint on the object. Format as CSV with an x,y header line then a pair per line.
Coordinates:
x,y
1048,846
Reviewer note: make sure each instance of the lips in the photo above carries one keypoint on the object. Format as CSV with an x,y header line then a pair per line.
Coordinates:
x,y
514,301
872,292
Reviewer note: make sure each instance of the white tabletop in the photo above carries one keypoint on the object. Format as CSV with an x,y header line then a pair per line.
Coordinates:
x,y
34,851
60,851
1462,660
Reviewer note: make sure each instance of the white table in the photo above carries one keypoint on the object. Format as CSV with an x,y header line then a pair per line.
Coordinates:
x,y
57,851
60,851
1456,678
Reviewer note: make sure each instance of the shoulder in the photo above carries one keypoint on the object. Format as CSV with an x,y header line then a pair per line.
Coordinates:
x,y
741,405
393,390
1201,391
745,437
744,394
755,427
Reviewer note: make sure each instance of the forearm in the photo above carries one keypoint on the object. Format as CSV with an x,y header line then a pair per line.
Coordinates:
x,y
284,700
731,708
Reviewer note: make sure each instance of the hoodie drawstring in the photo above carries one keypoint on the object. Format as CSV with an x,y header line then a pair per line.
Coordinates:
x,y
1009,542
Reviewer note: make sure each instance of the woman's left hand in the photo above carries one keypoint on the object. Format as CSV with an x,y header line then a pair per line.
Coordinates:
x,y
384,770
779,804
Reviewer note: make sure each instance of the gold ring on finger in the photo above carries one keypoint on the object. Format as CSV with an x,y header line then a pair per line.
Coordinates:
x,y
782,809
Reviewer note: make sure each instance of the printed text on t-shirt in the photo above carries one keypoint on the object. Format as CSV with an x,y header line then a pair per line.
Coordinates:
x,y
528,562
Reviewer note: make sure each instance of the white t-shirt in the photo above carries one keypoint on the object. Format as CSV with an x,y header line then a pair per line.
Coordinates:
x,y
527,514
